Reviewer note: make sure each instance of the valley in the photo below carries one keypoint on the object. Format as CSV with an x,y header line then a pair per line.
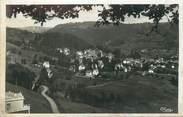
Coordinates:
x,y
88,69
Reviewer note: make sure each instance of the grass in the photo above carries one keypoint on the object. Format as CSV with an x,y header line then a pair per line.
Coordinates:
x,y
137,95
67,106
140,94
38,103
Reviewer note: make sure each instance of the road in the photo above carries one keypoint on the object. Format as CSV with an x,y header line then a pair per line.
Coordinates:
x,y
50,100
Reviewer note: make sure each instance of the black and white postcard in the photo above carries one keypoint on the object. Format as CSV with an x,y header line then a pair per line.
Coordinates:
x,y
94,59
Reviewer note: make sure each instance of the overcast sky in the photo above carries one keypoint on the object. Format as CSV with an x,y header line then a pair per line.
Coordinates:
x,y
84,16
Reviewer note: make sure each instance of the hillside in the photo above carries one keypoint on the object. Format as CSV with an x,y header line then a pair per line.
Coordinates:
x,y
133,98
44,41
51,40
125,36
38,103
18,37
147,92
35,29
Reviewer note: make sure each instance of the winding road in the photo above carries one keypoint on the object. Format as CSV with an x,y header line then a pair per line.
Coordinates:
x,y
50,100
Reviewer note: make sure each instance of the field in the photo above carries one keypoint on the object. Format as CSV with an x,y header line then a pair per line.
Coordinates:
x,y
140,94
68,106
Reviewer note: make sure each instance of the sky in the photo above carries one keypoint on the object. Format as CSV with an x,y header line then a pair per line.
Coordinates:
x,y
84,16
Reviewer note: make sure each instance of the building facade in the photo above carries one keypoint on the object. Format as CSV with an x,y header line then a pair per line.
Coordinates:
x,y
14,103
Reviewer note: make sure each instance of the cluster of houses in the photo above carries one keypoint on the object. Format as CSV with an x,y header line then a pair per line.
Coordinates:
x,y
91,63
94,62
65,51
147,66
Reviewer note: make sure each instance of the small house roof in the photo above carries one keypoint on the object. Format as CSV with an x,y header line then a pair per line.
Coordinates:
x,y
10,96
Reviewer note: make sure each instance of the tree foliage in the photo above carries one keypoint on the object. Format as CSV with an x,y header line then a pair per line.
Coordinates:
x,y
41,13
115,14
19,75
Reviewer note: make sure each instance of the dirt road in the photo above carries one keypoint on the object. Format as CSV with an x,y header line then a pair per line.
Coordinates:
x,y
50,100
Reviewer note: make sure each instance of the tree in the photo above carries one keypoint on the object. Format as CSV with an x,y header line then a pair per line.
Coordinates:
x,y
117,52
19,75
115,14
39,13
135,54
43,75
35,61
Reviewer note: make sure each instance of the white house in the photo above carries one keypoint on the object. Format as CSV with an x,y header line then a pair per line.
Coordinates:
x,y
100,64
50,73
89,73
163,66
125,69
81,67
46,64
95,72
79,53
14,102
110,56
66,51
173,66
151,71
72,68
59,50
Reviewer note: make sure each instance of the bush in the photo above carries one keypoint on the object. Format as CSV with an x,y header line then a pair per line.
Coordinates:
x,y
19,75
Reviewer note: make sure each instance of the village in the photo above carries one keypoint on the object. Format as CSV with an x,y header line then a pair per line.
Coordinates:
x,y
91,64
95,63
96,66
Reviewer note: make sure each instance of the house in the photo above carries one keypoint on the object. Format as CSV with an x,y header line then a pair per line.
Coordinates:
x,y
38,65
90,54
95,72
100,64
54,58
151,71
12,58
163,66
50,73
46,64
66,51
172,66
59,50
14,102
79,53
8,53
110,56
94,66
89,73
72,60
72,68
80,61
81,67
101,53
125,69
143,50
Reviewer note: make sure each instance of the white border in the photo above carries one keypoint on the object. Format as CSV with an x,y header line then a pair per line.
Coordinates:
x,y
3,46
91,1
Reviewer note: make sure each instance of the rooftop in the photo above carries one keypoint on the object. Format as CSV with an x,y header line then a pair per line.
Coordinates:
x,y
13,96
